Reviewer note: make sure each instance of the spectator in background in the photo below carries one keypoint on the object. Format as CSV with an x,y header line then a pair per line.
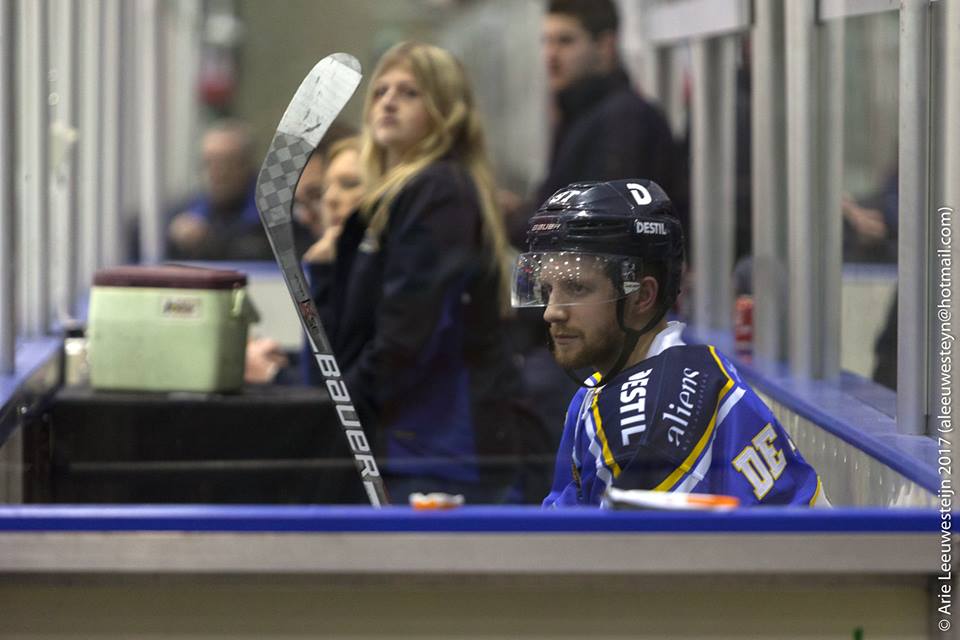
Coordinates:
x,y
223,223
308,202
870,226
414,297
602,130
870,231
323,202
342,191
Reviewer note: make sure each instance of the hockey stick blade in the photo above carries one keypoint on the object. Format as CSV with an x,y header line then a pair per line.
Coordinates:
x,y
321,96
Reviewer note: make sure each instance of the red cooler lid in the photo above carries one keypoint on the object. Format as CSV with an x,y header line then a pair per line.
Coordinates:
x,y
170,276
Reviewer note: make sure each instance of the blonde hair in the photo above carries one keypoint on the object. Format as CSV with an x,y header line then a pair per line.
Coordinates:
x,y
454,129
350,143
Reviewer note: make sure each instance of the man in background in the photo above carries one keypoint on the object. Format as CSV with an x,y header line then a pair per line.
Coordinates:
x,y
601,130
223,222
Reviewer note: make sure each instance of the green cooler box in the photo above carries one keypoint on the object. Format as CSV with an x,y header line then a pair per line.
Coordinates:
x,y
168,328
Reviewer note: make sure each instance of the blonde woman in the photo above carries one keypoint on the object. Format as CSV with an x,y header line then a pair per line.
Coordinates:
x,y
342,191
414,297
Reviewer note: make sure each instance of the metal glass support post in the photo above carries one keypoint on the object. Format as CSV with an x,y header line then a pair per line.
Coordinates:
x,y
813,209
950,206
660,80
769,181
151,142
111,223
725,214
185,52
712,148
829,197
675,109
802,308
63,206
35,237
650,73
913,204
7,200
89,139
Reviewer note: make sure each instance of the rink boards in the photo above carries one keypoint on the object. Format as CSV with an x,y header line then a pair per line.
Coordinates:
x,y
203,571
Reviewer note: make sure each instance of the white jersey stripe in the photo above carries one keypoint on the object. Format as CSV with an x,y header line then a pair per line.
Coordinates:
x,y
732,399
699,471
582,416
603,473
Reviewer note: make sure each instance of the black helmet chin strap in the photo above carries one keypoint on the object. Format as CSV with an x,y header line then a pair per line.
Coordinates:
x,y
630,336
630,339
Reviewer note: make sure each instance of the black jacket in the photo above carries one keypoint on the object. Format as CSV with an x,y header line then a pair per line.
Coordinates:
x,y
415,324
608,132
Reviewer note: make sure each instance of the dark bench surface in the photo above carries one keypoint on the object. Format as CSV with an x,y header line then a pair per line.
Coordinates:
x,y
264,444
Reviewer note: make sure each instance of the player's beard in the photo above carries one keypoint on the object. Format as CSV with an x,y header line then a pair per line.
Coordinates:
x,y
597,350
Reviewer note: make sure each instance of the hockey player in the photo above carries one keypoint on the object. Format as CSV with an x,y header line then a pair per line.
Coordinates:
x,y
605,261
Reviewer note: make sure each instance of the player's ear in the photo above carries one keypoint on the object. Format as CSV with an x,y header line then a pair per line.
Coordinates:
x,y
644,299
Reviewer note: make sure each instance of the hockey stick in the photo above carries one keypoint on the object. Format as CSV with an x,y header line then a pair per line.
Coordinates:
x,y
321,96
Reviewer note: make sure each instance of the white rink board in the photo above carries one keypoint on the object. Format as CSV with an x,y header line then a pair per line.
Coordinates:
x,y
850,476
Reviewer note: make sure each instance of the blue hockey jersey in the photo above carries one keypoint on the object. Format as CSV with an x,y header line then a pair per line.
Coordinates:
x,y
680,420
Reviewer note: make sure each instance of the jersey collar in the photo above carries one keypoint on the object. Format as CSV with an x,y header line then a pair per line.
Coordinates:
x,y
672,336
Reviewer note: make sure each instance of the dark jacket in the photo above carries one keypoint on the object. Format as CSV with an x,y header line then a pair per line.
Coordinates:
x,y
415,324
235,231
608,132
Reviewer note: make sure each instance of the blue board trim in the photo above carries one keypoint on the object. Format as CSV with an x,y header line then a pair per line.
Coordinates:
x,y
30,355
320,519
838,408
29,384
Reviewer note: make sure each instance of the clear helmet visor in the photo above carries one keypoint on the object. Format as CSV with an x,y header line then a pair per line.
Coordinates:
x,y
567,278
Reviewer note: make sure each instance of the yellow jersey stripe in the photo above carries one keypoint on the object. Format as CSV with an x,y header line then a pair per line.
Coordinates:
x,y
816,493
607,454
685,466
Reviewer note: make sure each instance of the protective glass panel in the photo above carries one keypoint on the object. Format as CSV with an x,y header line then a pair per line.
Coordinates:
x,y
869,206
570,278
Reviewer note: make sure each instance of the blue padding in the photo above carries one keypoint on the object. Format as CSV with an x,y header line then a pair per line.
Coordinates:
x,y
30,356
854,271
837,407
200,518
253,268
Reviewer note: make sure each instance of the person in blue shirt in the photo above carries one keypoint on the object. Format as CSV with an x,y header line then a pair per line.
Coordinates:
x,y
222,223
605,260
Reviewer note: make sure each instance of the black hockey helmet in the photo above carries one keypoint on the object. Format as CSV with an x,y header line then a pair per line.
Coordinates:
x,y
630,223
627,228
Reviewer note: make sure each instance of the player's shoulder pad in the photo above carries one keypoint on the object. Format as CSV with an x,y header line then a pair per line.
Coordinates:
x,y
665,405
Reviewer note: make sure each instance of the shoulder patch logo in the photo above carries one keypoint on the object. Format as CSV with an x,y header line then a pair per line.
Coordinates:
x,y
633,400
679,411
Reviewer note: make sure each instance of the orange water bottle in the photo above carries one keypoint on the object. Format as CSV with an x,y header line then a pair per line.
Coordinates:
x,y
743,326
